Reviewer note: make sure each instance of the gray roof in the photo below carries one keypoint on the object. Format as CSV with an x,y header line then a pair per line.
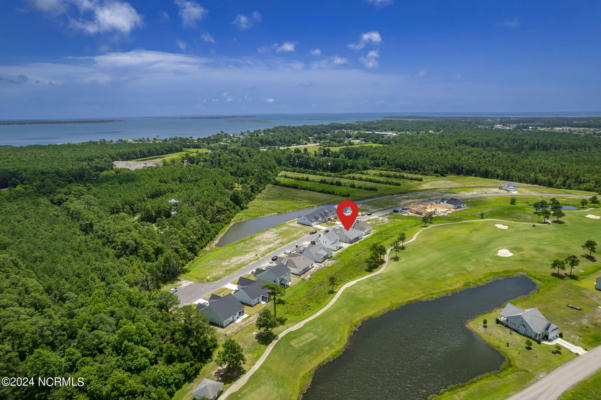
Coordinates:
x,y
208,388
348,236
321,214
317,250
510,309
245,281
453,201
254,289
599,281
362,226
280,270
537,321
298,261
225,306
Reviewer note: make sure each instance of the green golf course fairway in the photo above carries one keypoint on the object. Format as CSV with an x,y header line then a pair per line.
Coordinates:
x,y
443,259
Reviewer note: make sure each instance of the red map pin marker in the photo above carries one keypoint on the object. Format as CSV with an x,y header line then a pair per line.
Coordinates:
x,y
347,218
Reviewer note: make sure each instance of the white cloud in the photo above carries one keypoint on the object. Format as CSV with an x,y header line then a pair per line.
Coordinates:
x,y
181,44
286,47
380,3
510,23
270,100
49,6
207,37
421,74
315,52
190,12
93,16
371,59
330,62
372,37
244,22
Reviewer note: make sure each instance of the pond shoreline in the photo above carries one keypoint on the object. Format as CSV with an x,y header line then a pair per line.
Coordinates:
x,y
487,280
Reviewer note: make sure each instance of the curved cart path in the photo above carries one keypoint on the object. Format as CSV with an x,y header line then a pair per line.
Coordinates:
x,y
242,381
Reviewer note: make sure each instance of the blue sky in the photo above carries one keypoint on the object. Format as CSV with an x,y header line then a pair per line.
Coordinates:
x,y
117,58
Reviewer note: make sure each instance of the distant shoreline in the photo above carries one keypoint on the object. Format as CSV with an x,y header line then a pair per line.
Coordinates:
x,y
58,122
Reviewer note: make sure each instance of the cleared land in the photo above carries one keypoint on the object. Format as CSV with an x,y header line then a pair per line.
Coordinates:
x,y
218,262
172,156
278,199
445,258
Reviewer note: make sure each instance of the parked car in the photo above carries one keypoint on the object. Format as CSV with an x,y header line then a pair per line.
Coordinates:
x,y
274,258
396,210
173,291
312,232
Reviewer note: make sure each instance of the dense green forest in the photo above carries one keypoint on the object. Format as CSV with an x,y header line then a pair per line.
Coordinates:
x,y
84,248
81,268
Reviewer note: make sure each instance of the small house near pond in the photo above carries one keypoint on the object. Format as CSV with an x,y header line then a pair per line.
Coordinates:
x,y
529,322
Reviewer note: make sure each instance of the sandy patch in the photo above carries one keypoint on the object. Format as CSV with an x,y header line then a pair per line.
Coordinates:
x,y
501,226
504,253
591,216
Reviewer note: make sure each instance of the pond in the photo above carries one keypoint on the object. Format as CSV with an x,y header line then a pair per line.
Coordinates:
x,y
240,230
418,349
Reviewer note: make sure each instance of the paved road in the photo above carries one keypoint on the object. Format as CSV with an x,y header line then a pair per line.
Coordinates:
x,y
242,380
196,291
562,378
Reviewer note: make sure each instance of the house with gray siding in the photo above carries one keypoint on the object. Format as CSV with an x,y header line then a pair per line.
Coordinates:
x,y
222,311
351,236
298,264
318,216
330,240
598,283
278,274
317,252
208,389
529,322
363,227
251,292
509,187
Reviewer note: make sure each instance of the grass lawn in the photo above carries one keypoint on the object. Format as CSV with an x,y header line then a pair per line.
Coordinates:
x,y
215,263
443,259
524,365
278,199
587,389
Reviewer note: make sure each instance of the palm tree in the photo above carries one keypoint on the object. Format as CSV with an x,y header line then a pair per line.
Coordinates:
x,y
572,261
274,292
590,246
396,247
402,238
558,264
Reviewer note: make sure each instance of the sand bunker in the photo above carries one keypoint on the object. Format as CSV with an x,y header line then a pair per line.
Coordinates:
x,y
504,253
500,226
591,216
